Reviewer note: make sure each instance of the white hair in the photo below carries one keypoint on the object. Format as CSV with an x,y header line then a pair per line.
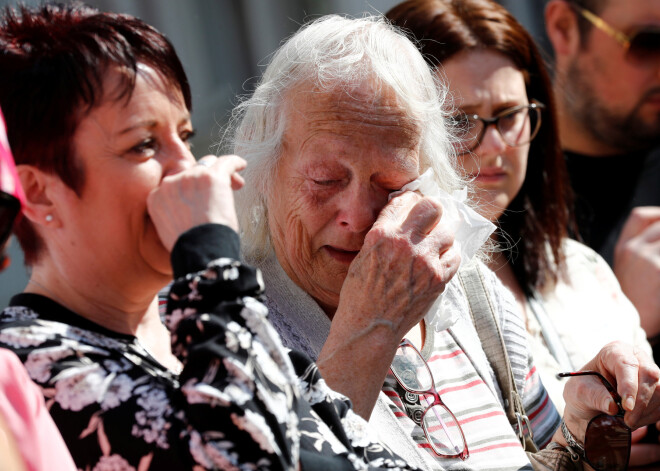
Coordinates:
x,y
329,53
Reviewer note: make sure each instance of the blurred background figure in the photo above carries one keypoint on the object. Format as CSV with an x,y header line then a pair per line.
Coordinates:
x,y
505,115
607,84
28,437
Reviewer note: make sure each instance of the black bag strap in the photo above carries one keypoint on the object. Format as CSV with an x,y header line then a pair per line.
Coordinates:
x,y
492,341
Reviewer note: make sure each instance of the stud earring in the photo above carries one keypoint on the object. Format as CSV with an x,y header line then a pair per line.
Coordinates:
x,y
49,217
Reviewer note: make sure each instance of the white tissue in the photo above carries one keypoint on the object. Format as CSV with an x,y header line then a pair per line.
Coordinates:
x,y
470,229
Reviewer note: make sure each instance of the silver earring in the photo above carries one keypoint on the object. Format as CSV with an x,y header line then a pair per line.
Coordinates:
x,y
49,217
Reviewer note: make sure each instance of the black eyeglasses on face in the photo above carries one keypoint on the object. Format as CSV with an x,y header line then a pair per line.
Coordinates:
x,y
607,438
641,46
9,208
441,428
517,126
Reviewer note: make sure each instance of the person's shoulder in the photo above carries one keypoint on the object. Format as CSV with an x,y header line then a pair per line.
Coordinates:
x,y
10,364
582,260
491,281
15,383
12,314
573,248
500,298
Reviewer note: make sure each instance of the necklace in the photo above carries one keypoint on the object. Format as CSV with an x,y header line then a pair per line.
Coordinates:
x,y
50,294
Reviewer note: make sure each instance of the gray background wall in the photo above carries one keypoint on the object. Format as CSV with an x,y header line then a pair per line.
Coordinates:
x,y
224,45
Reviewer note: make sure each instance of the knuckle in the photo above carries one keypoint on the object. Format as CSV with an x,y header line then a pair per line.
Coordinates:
x,y
377,233
654,374
430,204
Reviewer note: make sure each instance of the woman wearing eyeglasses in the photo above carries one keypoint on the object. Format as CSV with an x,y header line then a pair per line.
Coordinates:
x,y
504,114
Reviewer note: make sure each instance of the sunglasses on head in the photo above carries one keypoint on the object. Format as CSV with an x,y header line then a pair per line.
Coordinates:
x,y
642,46
607,438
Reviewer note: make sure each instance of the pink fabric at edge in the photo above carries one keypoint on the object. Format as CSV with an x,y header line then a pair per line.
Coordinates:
x,y
23,408
8,175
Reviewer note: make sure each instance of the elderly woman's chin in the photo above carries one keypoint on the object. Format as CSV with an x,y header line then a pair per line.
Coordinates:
x,y
318,275
324,285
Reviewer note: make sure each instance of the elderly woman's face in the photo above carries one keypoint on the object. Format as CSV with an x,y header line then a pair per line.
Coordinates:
x,y
125,149
341,158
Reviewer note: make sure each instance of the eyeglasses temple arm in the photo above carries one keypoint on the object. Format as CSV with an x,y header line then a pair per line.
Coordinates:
x,y
613,392
599,23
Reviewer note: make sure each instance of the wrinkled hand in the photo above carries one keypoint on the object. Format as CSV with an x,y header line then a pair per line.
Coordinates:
x,y
404,264
637,264
201,194
635,377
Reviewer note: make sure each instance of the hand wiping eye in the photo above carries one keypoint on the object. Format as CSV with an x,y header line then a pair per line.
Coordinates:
x,y
471,230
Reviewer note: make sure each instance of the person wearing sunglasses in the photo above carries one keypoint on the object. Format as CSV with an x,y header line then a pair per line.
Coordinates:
x,y
607,84
504,114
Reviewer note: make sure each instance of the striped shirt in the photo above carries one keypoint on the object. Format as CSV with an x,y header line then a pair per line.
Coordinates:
x,y
456,356
491,441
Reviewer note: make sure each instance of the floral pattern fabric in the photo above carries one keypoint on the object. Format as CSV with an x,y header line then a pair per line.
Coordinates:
x,y
241,401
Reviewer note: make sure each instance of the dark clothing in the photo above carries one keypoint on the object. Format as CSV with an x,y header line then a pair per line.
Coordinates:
x,y
607,189
241,401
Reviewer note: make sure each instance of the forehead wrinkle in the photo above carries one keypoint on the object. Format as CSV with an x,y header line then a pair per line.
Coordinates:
x,y
368,112
348,118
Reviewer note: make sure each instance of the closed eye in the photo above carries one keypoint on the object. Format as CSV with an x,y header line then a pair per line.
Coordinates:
x,y
326,182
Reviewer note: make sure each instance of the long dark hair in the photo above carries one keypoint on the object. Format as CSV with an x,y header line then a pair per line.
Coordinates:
x,y
540,214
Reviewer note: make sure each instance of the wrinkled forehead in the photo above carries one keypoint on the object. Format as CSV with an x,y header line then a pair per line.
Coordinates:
x,y
367,105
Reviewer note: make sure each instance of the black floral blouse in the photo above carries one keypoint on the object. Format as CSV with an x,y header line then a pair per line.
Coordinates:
x,y
241,401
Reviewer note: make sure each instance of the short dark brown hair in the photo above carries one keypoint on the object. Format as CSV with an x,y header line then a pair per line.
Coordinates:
x,y
540,214
53,60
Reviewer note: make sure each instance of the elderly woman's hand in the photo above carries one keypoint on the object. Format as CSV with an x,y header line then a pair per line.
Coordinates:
x,y
199,195
635,377
406,259
403,266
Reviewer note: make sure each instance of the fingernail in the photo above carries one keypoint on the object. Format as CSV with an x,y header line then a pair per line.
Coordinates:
x,y
629,402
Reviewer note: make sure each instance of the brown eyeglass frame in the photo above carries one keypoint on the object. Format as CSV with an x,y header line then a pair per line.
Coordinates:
x,y
534,106
437,400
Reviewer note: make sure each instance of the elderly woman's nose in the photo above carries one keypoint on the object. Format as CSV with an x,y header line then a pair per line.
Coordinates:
x,y
360,207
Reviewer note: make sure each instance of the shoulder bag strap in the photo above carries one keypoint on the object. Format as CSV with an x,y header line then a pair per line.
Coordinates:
x,y
490,335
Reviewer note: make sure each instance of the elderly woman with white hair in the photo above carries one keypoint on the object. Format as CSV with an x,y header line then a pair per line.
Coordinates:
x,y
346,114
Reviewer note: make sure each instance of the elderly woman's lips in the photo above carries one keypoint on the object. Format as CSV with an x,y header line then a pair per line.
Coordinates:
x,y
341,255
